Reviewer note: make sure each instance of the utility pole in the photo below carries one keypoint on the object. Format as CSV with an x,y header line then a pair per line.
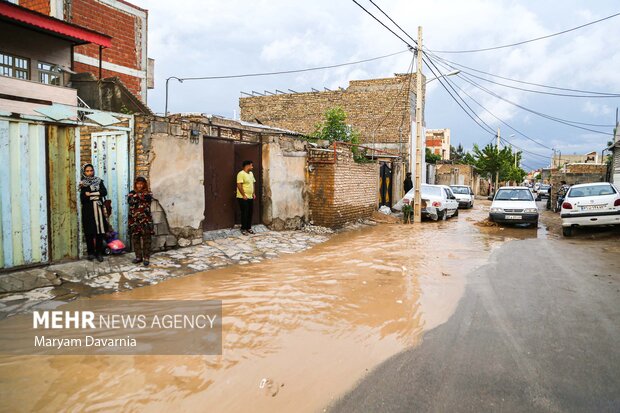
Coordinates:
x,y
417,201
497,173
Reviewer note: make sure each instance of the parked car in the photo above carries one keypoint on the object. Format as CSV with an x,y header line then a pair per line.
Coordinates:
x,y
438,202
515,205
594,204
543,191
464,195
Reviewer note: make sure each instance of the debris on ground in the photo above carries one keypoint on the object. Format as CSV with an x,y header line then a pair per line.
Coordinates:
x,y
316,229
386,219
385,210
486,223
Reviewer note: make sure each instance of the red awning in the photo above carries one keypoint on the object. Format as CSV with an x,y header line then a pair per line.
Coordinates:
x,y
41,22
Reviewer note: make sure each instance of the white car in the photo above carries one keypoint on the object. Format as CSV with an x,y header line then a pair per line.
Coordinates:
x,y
592,204
464,195
438,202
515,205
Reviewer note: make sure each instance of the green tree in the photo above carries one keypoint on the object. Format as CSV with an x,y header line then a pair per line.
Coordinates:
x,y
460,155
432,157
489,162
334,128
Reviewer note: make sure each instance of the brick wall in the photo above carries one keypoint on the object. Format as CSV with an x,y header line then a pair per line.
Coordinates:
x,y
127,29
454,174
41,6
368,104
343,191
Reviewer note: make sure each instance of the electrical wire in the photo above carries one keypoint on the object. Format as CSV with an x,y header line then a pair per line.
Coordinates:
x,y
530,40
523,150
499,119
479,122
294,70
461,67
552,118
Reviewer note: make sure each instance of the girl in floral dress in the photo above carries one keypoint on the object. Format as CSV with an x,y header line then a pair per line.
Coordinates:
x,y
140,220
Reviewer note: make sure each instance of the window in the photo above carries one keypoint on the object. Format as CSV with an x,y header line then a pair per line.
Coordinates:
x,y
593,190
514,195
49,74
14,66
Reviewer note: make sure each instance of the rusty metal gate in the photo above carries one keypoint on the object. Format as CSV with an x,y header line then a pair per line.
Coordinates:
x,y
62,192
222,161
385,184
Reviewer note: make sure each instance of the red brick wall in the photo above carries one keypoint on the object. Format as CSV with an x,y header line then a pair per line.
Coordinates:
x,y
132,82
42,6
116,23
342,192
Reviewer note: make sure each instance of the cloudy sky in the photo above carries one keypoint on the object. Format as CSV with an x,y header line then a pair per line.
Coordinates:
x,y
207,37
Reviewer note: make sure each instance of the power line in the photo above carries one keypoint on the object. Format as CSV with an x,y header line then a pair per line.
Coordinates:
x,y
282,72
530,40
499,119
486,127
452,63
523,150
553,118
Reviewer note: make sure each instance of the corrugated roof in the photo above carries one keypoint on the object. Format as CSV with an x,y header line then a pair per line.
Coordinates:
x,y
41,22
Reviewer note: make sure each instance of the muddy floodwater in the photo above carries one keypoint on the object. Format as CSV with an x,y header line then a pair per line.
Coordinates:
x,y
298,331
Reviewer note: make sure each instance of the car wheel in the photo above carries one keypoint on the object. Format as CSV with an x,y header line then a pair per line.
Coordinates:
x,y
456,212
441,215
471,204
567,231
535,224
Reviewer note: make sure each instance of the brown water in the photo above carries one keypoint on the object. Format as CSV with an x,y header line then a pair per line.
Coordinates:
x,y
298,330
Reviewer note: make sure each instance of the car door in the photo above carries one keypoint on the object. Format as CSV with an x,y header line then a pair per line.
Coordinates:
x,y
451,203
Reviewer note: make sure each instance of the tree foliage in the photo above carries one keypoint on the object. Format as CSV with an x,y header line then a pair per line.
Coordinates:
x,y
490,161
334,128
431,157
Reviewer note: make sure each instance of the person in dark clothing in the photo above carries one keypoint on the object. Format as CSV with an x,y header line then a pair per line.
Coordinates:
x,y
140,220
246,196
408,183
94,223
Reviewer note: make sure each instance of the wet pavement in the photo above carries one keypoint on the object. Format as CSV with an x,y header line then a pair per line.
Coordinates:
x,y
85,278
299,330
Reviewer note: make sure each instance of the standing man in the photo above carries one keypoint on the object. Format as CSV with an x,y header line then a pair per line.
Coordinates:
x,y
408,184
246,196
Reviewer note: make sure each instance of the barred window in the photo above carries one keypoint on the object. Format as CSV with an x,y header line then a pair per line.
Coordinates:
x,y
48,74
14,66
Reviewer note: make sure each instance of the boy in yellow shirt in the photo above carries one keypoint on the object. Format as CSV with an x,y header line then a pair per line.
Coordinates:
x,y
246,196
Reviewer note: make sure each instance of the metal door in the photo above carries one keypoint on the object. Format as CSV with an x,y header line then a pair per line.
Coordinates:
x,y
110,157
250,152
62,192
385,184
23,194
219,181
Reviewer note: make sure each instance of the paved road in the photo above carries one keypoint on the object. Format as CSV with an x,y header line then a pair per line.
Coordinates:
x,y
538,329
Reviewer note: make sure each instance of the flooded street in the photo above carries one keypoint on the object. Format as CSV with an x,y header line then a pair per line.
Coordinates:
x,y
298,331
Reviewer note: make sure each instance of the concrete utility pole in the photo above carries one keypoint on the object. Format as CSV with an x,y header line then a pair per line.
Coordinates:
x,y
497,173
417,201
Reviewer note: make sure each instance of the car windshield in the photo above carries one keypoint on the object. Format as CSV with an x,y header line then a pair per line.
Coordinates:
x,y
593,190
460,190
431,190
513,195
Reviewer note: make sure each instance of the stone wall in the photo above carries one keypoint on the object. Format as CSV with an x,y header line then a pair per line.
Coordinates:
x,y
341,191
577,174
379,109
454,174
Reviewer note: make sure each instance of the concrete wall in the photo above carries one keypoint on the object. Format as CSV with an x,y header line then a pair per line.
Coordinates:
x,y
177,181
285,203
33,90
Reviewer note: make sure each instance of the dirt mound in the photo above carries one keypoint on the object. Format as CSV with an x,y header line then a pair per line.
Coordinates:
x,y
386,219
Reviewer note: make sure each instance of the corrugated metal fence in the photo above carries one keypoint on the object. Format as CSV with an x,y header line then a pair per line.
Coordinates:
x,y
23,194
